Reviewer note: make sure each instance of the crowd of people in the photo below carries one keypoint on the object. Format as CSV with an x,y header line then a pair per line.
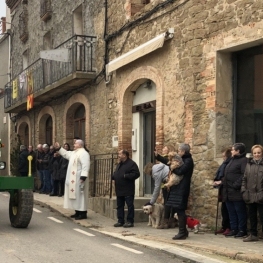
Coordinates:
x,y
47,166
61,172
239,180
240,183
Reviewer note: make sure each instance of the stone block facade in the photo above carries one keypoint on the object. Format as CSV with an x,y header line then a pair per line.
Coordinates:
x,y
192,73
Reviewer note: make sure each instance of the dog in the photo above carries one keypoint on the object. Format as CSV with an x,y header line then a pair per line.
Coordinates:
x,y
175,161
192,223
155,212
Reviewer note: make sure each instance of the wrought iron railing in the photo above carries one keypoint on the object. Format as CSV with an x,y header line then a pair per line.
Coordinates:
x,y
43,72
101,169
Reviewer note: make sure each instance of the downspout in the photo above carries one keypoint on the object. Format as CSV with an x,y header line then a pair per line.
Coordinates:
x,y
106,51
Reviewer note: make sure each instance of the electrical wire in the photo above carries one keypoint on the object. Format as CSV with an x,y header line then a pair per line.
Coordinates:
x,y
143,18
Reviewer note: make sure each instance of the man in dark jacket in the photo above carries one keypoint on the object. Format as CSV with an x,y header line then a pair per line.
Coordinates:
x,y
124,176
178,195
23,162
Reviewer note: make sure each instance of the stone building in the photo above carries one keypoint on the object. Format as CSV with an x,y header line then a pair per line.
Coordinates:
x,y
4,78
175,71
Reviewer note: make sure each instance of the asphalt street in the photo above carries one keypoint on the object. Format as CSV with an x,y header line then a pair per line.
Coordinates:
x,y
54,238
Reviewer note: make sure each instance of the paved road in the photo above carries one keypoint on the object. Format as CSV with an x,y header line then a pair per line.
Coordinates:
x,y
51,237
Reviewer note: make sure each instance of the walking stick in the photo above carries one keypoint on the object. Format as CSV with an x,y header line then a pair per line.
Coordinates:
x,y
217,211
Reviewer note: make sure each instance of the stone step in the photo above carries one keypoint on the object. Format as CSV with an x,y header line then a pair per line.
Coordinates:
x,y
107,207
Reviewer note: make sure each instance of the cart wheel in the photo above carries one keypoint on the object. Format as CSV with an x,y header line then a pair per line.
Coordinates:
x,y
21,208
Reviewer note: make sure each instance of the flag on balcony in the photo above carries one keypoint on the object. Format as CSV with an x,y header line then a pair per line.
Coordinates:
x,y
23,84
15,89
29,83
30,102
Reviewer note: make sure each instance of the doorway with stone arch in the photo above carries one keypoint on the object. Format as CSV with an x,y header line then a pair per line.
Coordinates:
x,y
46,129
140,120
23,133
76,122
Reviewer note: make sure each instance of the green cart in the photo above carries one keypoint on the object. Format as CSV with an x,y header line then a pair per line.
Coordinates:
x,y
21,200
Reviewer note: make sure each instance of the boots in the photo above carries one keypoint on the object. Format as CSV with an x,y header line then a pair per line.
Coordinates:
x,y
164,224
82,215
183,233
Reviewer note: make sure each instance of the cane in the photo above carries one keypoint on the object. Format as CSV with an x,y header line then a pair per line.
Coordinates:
x,y
217,211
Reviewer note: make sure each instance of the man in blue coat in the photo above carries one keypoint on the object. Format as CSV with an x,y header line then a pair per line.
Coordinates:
x,y
124,176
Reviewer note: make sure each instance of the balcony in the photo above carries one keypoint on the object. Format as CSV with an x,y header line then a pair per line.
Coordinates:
x,y
45,10
48,79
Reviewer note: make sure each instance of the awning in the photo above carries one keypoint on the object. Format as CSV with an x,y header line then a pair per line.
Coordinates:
x,y
136,53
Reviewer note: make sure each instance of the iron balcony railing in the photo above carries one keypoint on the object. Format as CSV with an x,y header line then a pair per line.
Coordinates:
x,y
101,170
46,72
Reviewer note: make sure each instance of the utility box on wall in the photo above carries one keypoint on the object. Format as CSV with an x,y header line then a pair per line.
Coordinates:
x,y
115,142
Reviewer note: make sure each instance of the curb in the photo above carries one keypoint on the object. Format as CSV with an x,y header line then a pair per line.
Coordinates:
x,y
175,249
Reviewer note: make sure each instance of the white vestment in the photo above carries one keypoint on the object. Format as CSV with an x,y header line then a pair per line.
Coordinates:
x,y
79,165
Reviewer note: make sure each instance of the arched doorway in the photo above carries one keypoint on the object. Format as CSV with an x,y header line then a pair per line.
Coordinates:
x,y
144,128
80,122
23,132
46,129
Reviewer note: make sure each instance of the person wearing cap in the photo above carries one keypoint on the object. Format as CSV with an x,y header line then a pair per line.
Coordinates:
x,y
76,192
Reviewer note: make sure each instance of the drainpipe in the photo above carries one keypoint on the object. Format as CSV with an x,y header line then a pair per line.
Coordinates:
x,y
106,53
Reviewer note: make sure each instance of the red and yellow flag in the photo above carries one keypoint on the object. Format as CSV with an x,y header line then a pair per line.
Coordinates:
x,y
30,102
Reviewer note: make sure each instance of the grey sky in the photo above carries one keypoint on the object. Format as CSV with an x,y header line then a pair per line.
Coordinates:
x,y
2,8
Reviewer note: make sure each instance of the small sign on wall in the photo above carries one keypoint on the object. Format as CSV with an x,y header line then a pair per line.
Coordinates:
x,y
115,142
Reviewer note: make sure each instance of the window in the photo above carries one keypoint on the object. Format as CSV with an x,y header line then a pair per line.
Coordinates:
x,y
80,122
248,83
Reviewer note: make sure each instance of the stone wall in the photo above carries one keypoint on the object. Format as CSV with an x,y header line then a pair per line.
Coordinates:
x,y
192,73
60,27
196,69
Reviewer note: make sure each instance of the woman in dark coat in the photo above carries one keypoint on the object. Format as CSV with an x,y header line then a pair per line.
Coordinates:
x,y
177,198
252,191
236,206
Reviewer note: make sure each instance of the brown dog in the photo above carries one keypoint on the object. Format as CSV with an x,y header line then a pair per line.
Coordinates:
x,y
175,161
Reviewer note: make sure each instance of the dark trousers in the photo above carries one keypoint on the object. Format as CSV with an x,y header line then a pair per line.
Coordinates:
x,y
59,187
225,216
165,195
237,211
169,212
129,200
253,211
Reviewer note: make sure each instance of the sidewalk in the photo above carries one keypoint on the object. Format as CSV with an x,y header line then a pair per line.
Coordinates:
x,y
202,247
